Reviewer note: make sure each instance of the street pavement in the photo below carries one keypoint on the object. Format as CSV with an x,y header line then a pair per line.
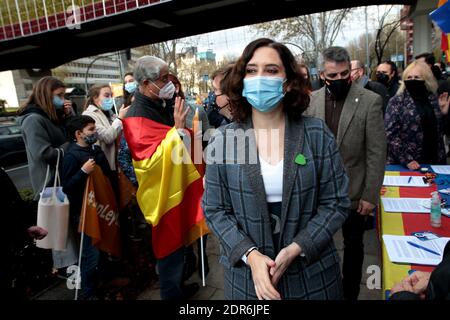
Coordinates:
x,y
214,281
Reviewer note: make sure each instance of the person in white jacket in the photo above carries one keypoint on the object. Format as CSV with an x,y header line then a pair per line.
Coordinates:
x,y
109,125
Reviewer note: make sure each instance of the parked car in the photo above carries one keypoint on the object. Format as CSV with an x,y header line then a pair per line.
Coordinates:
x,y
12,147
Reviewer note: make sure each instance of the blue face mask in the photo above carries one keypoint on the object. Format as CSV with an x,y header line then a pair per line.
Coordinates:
x,y
58,102
130,87
107,104
263,93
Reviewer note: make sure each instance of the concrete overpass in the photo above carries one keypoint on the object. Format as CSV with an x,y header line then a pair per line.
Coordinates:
x,y
46,41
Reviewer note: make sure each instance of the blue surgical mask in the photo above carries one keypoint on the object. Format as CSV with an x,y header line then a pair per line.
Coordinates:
x,y
130,87
263,93
107,104
58,102
167,91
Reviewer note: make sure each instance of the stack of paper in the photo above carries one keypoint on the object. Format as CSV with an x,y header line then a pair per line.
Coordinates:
x,y
404,181
415,205
441,169
400,249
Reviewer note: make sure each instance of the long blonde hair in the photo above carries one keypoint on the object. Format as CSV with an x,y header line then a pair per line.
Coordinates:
x,y
42,96
427,75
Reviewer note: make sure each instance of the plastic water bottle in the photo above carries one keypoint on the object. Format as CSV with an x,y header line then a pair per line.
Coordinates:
x,y
435,214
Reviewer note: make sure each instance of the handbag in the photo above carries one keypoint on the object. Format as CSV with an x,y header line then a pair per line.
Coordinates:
x,y
53,213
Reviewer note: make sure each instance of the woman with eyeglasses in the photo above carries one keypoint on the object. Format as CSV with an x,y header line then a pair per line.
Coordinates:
x,y
414,120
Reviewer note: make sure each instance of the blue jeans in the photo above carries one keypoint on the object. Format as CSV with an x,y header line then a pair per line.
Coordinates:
x,y
170,271
89,263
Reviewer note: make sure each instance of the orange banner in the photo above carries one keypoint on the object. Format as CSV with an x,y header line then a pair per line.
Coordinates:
x,y
99,213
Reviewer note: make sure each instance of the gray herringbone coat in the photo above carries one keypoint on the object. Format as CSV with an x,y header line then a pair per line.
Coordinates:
x,y
315,204
361,140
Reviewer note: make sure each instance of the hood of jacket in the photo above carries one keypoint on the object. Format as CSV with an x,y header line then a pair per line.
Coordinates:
x,y
31,109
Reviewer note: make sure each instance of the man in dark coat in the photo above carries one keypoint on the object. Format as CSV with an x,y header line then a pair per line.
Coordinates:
x,y
358,74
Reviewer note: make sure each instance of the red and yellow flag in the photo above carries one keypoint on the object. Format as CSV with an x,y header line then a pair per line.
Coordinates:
x,y
170,184
445,37
99,213
117,89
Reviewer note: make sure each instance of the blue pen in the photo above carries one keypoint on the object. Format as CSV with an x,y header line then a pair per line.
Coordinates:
x,y
409,180
423,248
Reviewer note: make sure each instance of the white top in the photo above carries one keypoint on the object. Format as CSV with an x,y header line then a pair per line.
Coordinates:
x,y
273,180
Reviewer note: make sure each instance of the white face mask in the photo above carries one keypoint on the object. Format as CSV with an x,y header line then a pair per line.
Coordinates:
x,y
167,91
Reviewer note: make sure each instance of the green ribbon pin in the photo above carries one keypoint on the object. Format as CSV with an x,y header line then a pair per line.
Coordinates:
x,y
300,159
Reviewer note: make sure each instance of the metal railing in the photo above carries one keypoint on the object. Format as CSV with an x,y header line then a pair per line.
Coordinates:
x,y
21,18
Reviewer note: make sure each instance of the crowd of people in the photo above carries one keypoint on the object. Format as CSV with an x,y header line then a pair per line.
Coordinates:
x,y
289,163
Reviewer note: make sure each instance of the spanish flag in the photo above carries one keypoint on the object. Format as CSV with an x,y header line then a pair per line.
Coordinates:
x,y
445,37
170,184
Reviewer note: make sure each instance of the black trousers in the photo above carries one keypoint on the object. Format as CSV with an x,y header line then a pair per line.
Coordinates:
x,y
353,232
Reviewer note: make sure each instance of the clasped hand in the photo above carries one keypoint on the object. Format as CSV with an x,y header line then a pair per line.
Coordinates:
x,y
416,283
266,272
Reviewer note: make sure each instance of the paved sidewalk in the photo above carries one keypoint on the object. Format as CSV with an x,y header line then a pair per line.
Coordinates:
x,y
214,282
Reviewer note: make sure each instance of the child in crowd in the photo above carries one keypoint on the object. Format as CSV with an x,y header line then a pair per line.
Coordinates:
x,y
79,162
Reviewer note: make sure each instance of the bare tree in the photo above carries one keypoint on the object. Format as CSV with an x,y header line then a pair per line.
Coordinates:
x,y
227,59
204,69
187,75
386,29
166,51
311,33
357,47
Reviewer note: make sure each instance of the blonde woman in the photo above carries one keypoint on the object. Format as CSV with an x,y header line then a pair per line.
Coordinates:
x,y
414,120
108,125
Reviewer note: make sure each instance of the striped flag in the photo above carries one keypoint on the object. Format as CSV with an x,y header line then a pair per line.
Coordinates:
x,y
170,184
445,37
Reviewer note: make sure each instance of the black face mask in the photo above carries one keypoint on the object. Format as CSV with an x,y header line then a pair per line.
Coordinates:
x,y
416,89
91,138
382,78
339,88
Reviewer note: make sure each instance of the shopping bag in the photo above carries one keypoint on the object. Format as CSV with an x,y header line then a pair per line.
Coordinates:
x,y
68,257
53,213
